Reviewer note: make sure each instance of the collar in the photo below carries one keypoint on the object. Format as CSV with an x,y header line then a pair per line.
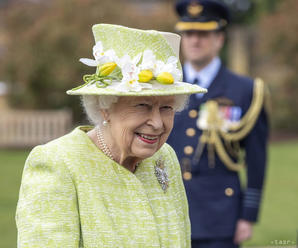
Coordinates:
x,y
206,75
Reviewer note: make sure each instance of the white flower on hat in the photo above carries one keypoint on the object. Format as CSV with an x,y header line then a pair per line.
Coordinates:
x,y
159,68
130,72
126,59
165,73
169,67
130,78
148,61
100,56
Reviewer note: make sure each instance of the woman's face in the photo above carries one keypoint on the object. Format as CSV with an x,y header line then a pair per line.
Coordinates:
x,y
139,126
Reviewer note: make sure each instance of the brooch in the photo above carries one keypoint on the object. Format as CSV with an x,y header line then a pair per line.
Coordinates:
x,y
161,174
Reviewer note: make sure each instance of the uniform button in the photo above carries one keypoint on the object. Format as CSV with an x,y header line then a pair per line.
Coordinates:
x,y
187,176
188,150
190,132
229,191
193,113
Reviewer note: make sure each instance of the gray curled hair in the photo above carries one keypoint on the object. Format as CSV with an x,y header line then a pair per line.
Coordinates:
x,y
93,104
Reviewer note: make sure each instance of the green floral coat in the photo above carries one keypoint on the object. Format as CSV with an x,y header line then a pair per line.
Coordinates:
x,y
72,195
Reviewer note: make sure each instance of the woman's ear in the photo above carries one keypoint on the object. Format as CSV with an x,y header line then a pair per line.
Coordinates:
x,y
105,115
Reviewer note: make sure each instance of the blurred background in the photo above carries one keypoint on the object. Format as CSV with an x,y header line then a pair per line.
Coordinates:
x,y
41,42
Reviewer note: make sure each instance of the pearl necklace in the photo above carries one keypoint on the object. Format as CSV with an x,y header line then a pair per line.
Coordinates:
x,y
102,144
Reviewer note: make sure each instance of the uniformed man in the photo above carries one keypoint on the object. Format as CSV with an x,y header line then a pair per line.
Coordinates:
x,y
219,133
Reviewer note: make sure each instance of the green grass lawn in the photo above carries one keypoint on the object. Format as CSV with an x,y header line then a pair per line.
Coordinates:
x,y
279,214
11,166
278,224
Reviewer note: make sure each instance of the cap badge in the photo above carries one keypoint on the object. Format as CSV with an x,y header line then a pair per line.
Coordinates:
x,y
194,9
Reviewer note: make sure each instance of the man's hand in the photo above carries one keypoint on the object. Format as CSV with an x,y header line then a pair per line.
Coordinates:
x,y
243,231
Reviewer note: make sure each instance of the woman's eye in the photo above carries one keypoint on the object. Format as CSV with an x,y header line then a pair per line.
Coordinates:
x,y
142,105
167,107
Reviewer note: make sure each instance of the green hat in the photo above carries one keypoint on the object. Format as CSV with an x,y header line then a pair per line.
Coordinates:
x,y
134,62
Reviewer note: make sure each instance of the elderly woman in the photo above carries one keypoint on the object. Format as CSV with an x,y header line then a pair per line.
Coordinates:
x,y
117,184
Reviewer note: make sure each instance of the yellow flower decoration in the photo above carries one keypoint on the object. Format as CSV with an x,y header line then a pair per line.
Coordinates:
x,y
165,78
145,76
107,68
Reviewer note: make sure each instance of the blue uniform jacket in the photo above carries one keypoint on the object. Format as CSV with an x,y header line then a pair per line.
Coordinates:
x,y
216,200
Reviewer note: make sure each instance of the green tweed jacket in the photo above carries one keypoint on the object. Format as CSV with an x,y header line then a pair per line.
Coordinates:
x,y
73,195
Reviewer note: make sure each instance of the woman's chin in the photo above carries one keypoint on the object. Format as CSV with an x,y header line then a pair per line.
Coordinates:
x,y
143,149
144,153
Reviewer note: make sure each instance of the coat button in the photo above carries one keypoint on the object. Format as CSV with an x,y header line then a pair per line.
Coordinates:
x,y
190,132
187,176
229,191
188,150
193,113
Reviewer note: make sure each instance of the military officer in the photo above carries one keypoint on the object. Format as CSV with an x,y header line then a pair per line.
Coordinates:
x,y
219,133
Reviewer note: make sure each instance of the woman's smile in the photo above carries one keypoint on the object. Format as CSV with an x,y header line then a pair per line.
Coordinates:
x,y
148,138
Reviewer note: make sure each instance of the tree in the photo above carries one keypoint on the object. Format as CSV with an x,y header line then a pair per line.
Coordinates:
x,y
47,38
278,48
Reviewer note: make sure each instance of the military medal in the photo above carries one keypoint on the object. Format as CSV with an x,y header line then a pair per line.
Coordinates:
x,y
161,174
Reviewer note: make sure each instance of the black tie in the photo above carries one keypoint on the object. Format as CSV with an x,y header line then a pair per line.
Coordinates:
x,y
196,81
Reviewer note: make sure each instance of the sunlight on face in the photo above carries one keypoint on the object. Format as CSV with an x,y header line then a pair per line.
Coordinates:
x,y
139,126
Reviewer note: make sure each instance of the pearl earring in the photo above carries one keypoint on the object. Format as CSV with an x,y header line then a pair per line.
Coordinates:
x,y
105,123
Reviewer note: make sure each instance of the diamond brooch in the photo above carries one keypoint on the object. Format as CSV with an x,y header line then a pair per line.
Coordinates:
x,y
161,174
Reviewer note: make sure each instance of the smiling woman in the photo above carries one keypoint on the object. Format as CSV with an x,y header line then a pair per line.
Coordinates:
x,y
137,127
117,183
148,119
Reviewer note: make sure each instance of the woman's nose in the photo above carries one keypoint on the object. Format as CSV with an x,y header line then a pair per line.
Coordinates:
x,y
155,119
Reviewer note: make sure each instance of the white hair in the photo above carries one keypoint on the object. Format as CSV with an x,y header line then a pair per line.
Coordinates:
x,y
93,104
181,102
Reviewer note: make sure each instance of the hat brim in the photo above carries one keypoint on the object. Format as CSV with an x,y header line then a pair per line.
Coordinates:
x,y
178,88
200,26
